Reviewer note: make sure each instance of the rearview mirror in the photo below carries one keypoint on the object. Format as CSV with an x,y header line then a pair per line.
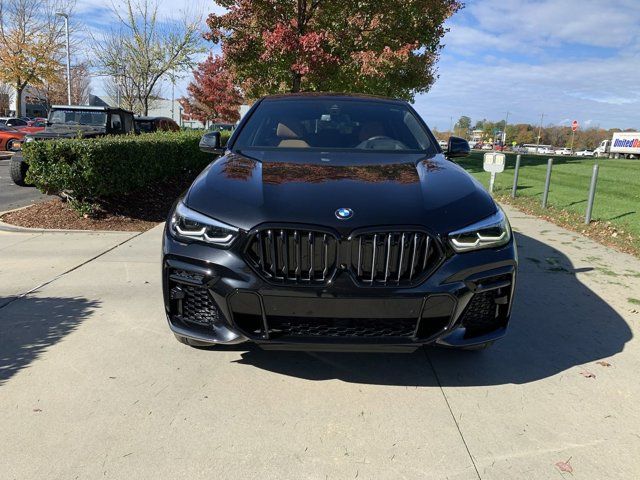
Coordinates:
x,y
210,143
457,147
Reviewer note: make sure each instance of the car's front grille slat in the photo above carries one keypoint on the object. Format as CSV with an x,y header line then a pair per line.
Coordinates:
x,y
325,250
298,254
388,255
402,240
285,252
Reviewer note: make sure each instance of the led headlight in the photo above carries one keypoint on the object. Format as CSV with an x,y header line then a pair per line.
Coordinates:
x,y
492,232
189,225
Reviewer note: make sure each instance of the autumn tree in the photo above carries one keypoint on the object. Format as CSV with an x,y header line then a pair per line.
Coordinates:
x,y
462,126
213,95
30,43
144,49
384,47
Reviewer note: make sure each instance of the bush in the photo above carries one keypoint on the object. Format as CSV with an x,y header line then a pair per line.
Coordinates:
x,y
93,168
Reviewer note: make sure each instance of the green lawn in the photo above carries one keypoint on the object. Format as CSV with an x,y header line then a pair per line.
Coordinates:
x,y
617,195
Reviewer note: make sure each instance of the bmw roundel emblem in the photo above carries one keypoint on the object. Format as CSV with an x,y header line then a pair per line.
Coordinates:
x,y
344,213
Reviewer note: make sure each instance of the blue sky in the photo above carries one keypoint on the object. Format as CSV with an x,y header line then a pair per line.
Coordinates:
x,y
568,59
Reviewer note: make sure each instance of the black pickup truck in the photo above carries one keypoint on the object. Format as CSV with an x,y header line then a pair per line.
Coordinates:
x,y
71,121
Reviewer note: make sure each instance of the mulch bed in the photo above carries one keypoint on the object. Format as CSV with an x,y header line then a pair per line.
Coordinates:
x,y
135,212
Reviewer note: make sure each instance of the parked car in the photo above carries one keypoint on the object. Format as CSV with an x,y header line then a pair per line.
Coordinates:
x,y
155,124
33,127
563,151
36,120
13,122
69,121
585,153
443,144
10,138
487,146
334,221
477,146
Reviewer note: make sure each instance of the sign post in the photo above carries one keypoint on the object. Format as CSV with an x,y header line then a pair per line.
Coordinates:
x,y
574,128
494,162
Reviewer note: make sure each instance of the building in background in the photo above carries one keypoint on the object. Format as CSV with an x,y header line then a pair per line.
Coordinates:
x,y
476,136
34,104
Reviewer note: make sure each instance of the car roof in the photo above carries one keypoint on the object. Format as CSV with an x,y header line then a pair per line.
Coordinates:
x,y
95,108
330,95
150,119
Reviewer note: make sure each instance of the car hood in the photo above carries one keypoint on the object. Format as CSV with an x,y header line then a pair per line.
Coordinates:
x,y
308,188
69,131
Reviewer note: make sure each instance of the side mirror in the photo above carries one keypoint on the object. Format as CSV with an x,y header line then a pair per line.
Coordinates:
x,y
211,143
457,147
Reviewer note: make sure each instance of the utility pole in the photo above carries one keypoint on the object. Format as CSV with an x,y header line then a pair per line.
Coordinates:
x,y
539,134
66,28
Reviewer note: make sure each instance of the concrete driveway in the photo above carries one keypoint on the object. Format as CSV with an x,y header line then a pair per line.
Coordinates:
x,y
11,195
93,385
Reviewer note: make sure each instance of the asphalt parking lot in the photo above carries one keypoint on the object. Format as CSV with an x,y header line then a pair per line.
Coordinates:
x,y
11,195
93,385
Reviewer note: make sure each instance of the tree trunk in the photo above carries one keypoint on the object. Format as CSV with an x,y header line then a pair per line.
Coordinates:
x,y
145,106
297,81
18,102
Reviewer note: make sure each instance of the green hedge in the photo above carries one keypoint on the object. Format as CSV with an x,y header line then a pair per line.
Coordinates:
x,y
95,168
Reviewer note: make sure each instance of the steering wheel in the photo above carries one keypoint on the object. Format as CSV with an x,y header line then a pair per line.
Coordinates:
x,y
383,143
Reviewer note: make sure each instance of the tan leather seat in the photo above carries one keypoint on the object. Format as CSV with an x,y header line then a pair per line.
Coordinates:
x,y
291,134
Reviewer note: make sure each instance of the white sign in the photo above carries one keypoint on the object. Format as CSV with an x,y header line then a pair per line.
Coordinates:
x,y
494,162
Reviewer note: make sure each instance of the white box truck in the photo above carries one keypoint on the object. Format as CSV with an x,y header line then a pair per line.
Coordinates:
x,y
622,145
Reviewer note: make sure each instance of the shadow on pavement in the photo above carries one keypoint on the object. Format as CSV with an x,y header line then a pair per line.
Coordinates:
x,y
30,325
557,323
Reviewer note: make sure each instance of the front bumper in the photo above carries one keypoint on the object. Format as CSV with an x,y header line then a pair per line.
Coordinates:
x,y
212,296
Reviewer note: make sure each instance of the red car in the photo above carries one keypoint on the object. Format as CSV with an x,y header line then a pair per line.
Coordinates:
x,y
34,126
9,137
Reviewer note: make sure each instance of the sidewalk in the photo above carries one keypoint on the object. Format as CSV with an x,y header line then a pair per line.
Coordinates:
x,y
94,385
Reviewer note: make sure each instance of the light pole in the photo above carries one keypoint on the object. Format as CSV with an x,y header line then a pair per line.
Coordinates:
x,y
504,131
66,28
539,133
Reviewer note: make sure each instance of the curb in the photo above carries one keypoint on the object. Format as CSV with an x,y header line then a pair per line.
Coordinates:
x,y
6,227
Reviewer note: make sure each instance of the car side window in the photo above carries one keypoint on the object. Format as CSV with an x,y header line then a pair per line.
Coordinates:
x,y
128,123
116,122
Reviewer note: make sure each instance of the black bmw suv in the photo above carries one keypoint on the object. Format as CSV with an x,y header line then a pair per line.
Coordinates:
x,y
336,222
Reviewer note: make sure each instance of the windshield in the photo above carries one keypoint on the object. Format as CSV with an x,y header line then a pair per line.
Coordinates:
x,y
326,123
78,117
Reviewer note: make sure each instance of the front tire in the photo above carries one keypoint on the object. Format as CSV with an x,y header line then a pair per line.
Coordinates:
x,y
18,171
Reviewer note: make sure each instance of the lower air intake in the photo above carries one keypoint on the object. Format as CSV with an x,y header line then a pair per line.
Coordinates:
x,y
342,327
191,301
